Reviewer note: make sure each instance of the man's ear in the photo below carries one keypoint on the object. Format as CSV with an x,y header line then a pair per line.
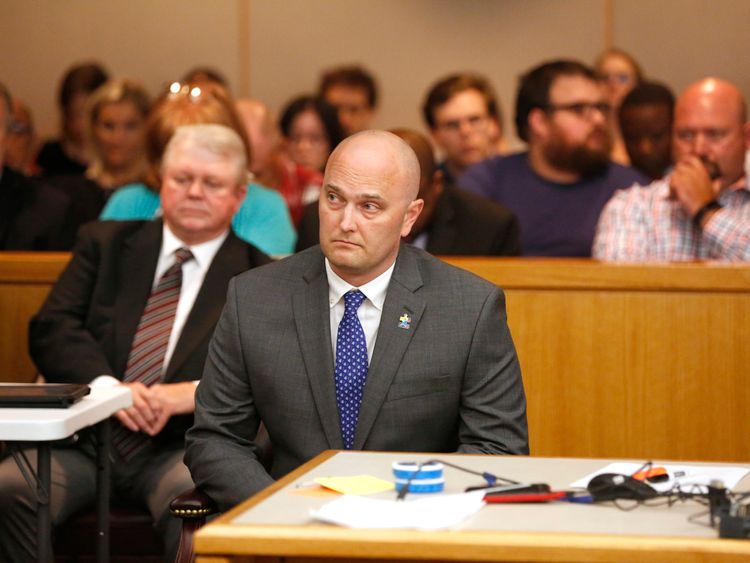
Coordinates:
x,y
538,123
240,191
412,212
494,130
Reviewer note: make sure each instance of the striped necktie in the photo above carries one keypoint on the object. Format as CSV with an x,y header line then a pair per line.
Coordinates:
x,y
146,359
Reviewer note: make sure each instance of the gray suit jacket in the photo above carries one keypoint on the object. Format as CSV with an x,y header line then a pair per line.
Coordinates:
x,y
449,382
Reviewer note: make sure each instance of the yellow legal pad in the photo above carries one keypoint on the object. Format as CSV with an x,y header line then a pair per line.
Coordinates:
x,y
355,485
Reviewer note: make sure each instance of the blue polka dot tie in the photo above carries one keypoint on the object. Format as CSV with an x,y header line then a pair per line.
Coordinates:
x,y
351,366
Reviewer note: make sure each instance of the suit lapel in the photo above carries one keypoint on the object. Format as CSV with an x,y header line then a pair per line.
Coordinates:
x,y
140,254
401,302
230,260
311,314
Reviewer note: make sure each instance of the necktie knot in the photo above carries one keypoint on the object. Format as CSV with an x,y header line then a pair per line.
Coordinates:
x,y
352,300
182,255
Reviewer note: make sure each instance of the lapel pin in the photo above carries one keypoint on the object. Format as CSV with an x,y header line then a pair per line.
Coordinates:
x,y
404,321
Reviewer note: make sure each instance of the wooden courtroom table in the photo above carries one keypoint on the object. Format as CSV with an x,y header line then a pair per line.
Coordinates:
x,y
639,361
276,523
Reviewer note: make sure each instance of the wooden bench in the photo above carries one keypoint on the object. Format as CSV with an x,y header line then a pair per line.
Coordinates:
x,y
639,361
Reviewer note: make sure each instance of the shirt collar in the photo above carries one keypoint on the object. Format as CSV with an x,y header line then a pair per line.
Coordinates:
x,y
203,253
374,290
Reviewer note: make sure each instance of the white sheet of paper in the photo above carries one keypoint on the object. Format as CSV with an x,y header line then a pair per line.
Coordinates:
x,y
684,475
427,513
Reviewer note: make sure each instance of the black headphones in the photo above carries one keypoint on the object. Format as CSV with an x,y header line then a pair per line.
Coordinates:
x,y
614,486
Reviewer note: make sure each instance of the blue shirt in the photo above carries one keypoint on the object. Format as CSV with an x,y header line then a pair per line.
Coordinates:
x,y
263,220
555,219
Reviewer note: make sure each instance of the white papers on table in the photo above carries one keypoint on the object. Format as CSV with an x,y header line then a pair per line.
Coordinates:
x,y
683,475
428,513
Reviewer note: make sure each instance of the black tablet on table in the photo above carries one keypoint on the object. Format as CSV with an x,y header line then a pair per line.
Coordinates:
x,y
42,395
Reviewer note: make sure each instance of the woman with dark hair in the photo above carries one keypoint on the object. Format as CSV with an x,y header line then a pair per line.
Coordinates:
x,y
310,131
68,155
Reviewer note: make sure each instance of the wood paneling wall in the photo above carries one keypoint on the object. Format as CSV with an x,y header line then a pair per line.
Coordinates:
x,y
633,361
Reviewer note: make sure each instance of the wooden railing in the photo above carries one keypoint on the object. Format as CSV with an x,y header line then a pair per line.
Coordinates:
x,y
25,281
648,362
630,360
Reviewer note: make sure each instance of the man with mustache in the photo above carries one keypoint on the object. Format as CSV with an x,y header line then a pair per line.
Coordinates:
x,y
701,210
560,185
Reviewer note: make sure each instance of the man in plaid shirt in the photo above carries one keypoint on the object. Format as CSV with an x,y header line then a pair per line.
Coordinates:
x,y
701,210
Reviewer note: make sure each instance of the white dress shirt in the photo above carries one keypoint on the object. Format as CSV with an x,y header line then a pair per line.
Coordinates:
x,y
369,311
193,273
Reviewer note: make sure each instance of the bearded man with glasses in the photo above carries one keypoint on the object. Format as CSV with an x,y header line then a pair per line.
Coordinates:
x,y
560,185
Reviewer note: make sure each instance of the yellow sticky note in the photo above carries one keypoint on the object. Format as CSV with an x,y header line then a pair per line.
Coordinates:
x,y
355,485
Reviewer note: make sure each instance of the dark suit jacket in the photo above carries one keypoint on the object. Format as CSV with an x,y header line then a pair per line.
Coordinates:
x,y
449,381
86,326
33,215
464,224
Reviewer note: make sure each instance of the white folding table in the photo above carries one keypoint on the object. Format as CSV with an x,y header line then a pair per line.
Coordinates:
x,y
46,425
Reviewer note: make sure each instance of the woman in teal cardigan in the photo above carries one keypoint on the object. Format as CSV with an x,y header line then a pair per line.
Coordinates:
x,y
263,220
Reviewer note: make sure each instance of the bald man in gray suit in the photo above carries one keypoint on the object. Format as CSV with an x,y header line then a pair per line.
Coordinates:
x,y
423,361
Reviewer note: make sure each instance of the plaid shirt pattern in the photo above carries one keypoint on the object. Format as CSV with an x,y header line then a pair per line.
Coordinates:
x,y
642,224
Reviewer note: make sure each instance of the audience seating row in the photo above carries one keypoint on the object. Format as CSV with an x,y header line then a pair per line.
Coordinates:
x,y
637,361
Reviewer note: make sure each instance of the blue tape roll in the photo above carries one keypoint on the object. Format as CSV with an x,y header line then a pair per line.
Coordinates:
x,y
406,470
422,486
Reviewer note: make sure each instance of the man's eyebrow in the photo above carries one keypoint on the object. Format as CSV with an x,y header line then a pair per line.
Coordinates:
x,y
365,196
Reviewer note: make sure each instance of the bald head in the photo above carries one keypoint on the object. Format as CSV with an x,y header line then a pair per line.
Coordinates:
x,y
709,123
385,151
711,92
367,204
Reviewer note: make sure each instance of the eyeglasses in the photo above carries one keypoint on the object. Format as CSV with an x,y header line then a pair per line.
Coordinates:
x,y
313,139
209,185
350,109
177,89
19,128
475,123
582,109
618,77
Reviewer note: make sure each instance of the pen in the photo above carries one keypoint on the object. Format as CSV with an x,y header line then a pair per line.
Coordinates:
x,y
527,497
578,497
